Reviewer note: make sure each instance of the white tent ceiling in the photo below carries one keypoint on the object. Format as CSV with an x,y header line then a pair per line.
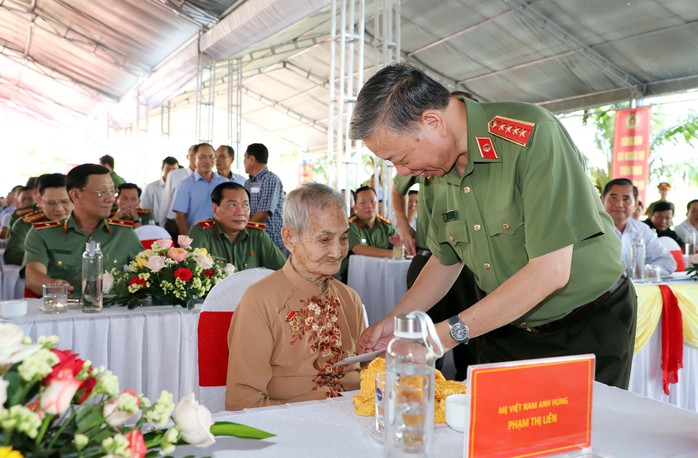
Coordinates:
x,y
68,60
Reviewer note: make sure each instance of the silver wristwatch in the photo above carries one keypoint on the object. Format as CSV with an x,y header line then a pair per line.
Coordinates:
x,y
459,331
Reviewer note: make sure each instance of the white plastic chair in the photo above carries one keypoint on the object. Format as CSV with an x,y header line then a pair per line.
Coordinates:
x,y
214,322
675,250
149,233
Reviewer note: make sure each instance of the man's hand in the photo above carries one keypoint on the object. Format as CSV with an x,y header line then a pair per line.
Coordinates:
x,y
395,239
376,337
407,237
125,214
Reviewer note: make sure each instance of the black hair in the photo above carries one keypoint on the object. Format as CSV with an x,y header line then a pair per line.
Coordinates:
x,y
217,193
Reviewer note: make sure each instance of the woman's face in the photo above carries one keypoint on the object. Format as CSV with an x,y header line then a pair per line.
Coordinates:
x,y
317,253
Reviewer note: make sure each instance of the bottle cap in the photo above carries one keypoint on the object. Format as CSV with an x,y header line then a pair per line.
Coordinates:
x,y
407,325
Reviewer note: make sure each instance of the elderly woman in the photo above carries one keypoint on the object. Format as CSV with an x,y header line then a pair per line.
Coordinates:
x,y
294,324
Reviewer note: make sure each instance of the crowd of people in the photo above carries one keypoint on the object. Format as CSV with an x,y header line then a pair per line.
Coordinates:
x,y
484,227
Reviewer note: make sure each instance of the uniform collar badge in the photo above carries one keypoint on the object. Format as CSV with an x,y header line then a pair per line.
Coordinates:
x,y
450,215
486,148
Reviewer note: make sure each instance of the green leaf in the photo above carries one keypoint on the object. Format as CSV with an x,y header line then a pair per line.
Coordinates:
x,y
226,428
89,415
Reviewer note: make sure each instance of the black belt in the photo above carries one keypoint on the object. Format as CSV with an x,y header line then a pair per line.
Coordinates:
x,y
575,314
423,252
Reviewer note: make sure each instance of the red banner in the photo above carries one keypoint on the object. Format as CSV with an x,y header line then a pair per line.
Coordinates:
x,y
631,148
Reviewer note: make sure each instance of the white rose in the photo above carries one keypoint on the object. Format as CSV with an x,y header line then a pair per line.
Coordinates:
x,y
3,392
229,269
12,349
120,409
203,261
107,282
195,422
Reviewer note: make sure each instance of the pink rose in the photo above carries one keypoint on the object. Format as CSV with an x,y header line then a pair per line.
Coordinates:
x,y
184,240
115,417
178,254
155,263
195,422
136,444
59,392
164,243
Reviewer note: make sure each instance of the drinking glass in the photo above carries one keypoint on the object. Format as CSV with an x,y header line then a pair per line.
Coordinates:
x,y
55,298
378,428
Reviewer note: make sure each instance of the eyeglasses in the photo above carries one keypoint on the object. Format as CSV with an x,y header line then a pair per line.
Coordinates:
x,y
111,191
56,203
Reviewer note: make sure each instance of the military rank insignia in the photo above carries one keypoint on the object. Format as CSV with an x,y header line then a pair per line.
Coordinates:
x,y
486,148
450,215
509,129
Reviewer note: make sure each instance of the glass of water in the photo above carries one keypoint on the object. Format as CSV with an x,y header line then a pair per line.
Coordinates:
x,y
378,428
55,298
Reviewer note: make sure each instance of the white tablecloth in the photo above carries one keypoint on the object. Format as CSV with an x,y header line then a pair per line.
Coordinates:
x,y
150,349
12,285
623,425
380,283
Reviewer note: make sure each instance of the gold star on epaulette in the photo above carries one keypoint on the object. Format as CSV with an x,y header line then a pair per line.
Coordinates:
x,y
47,224
513,130
384,219
119,222
33,217
207,223
254,225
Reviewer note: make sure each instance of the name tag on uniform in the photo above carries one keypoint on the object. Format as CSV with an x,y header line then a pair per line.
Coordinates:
x,y
450,215
255,190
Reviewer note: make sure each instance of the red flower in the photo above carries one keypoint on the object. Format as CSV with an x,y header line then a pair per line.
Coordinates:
x,y
136,444
208,272
137,281
69,361
183,274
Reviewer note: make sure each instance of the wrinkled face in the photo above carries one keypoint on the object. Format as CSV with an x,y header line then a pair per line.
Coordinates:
x,y
662,220
223,159
366,206
96,198
204,160
55,203
619,202
412,200
25,199
167,168
318,252
416,152
233,213
692,214
128,200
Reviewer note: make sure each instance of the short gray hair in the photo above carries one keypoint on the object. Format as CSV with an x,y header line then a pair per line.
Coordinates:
x,y
307,199
395,98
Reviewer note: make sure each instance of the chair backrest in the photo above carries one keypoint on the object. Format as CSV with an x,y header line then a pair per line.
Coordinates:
x,y
669,243
214,322
150,233
675,250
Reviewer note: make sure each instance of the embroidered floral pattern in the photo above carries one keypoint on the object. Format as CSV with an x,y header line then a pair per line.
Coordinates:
x,y
317,321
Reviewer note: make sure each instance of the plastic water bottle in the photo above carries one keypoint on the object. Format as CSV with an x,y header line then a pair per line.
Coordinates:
x,y
409,384
92,271
637,260
690,243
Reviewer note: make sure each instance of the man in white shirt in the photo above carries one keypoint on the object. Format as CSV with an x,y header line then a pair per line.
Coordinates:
x,y
152,196
175,177
690,224
618,197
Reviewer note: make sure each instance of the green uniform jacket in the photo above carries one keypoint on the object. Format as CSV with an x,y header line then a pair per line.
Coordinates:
x,y
14,245
252,248
524,194
59,246
22,212
361,234
118,181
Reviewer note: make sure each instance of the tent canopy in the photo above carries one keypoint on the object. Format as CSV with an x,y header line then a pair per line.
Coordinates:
x,y
69,60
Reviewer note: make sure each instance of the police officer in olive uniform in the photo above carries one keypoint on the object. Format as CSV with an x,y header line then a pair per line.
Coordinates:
x,y
512,201
25,198
128,203
53,249
231,237
54,205
370,234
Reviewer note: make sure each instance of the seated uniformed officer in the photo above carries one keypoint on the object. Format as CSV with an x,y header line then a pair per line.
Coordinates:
x,y
128,206
370,234
53,249
26,204
54,205
230,236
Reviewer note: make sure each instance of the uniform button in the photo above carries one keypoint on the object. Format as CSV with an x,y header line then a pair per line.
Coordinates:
x,y
477,227
60,263
505,226
451,238
487,266
466,190
523,325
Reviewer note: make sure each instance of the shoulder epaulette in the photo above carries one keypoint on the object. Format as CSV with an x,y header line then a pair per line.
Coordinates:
x,y
25,211
143,211
254,225
207,223
352,219
513,130
33,217
46,224
384,219
120,222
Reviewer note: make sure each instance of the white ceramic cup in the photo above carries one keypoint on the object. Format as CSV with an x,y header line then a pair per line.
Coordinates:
x,y
13,309
457,411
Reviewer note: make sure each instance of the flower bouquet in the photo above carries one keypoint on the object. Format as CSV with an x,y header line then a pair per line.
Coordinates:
x,y
53,404
167,275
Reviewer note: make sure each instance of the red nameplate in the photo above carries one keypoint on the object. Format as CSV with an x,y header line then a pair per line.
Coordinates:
x,y
535,407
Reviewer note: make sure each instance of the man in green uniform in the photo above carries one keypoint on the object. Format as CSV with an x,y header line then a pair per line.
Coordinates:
x,y
54,204
128,206
231,237
512,202
370,234
108,162
26,204
53,249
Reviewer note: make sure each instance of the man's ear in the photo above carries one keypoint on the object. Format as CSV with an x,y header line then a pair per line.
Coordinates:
x,y
288,236
433,119
73,194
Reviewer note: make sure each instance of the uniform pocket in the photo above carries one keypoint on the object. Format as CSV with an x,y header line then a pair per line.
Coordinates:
x,y
506,222
453,233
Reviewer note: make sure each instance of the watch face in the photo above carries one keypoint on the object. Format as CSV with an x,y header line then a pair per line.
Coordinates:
x,y
459,332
